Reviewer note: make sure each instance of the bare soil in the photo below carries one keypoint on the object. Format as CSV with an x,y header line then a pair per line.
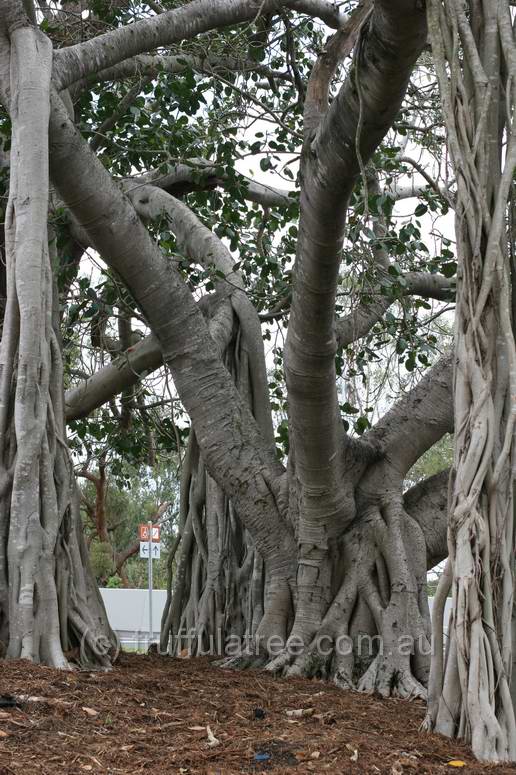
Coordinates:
x,y
150,715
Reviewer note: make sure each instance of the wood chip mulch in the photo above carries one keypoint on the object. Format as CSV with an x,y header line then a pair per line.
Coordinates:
x,y
161,715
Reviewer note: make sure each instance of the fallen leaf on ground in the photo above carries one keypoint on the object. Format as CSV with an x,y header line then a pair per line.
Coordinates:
x,y
299,712
456,763
212,740
90,711
409,761
325,718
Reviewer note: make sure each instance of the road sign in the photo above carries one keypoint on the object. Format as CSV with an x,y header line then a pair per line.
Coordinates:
x,y
143,531
155,551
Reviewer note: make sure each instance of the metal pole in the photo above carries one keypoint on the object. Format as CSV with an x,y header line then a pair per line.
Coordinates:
x,y
150,582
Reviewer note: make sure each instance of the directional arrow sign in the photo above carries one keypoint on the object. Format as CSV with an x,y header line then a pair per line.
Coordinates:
x,y
155,552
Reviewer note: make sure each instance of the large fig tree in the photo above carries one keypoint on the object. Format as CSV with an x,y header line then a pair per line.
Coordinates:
x,y
303,324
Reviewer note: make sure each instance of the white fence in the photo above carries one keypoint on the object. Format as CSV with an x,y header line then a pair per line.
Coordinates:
x,y
128,614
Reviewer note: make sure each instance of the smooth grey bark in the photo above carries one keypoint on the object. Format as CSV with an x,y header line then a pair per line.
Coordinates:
x,y
340,125
427,503
200,173
325,10
48,600
358,118
147,65
123,372
361,320
378,588
76,62
198,243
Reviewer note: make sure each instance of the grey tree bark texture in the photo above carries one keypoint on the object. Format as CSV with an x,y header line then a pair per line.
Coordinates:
x,y
328,549
470,696
261,502
49,601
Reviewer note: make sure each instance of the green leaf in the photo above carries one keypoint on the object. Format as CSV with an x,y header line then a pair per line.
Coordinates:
x,y
348,409
449,269
361,425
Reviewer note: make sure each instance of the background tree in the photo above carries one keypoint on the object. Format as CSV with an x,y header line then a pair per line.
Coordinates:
x,y
113,512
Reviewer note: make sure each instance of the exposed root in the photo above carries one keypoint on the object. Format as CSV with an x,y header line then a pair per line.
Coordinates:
x,y
241,662
279,663
390,680
343,680
310,664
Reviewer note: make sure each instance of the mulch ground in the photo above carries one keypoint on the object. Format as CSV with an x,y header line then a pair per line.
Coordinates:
x,y
151,715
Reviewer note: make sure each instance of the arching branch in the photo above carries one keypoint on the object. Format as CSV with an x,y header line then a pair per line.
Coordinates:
x,y
233,448
186,22
361,320
148,65
200,174
392,39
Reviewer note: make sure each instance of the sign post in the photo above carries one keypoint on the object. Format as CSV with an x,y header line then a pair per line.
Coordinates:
x,y
150,549
150,581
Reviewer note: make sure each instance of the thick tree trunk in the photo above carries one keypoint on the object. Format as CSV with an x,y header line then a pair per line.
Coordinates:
x,y
339,139
328,553
49,602
237,499
374,633
470,690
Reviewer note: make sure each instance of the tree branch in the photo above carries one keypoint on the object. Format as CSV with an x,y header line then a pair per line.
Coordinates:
x,y
200,174
361,320
184,23
336,49
427,503
148,65
391,41
123,372
418,420
325,10
235,453
200,244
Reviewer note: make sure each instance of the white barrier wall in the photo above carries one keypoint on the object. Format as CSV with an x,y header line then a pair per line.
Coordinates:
x,y
128,614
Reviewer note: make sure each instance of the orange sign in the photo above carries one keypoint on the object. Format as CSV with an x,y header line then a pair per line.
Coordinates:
x,y
143,531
